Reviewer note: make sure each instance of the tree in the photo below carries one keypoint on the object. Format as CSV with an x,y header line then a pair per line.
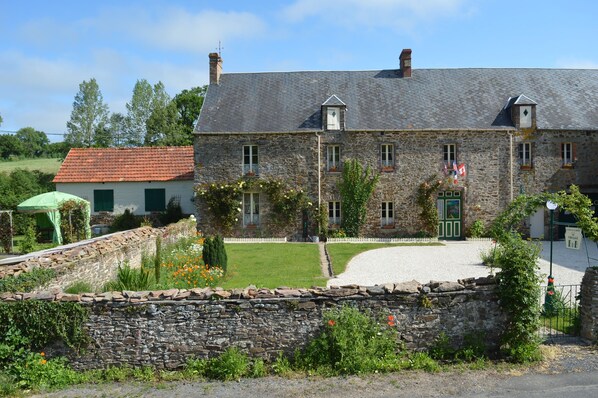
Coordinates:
x,y
117,125
10,146
89,115
189,103
138,112
356,188
0,120
35,143
164,129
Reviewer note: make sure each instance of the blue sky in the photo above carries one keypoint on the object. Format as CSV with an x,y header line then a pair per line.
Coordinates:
x,y
47,48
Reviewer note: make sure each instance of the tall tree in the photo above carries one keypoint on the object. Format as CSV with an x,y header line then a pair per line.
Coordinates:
x,y
35,143
10,146
0,120
163,128
138,112
188,103
118,127
89,115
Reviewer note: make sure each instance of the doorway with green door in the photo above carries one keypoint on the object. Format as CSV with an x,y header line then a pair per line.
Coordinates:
x,y
450,209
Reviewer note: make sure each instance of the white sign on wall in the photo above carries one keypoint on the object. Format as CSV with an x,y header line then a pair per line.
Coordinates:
x,y
573,238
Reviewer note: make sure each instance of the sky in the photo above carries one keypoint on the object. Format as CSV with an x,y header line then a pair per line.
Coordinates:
x,y
48,48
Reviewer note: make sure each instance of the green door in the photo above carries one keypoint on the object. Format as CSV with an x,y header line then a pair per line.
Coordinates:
x,y
449,214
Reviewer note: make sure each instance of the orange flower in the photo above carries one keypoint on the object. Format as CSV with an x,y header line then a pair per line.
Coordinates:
x,y
43,354
391,318
43,362
331,323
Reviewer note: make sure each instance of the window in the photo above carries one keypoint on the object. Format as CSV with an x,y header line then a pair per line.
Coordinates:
x,y
334,156
525,154
250,160
387,157
103,200
568,154
334,213
333,118
155,200
251,208
450,154
387,218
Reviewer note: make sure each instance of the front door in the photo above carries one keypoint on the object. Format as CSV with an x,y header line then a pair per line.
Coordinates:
x,y
449,214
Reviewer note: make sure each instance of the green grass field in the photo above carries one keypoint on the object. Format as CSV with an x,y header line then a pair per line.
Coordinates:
x,y
273,265
46,165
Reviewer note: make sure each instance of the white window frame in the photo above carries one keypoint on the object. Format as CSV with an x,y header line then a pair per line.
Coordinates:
x,y
333,118
251,208
333,157
525,154
387,155
449,154
250,160
334,213
567,154
387,214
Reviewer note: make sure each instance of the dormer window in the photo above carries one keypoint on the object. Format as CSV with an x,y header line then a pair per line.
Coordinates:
x,y
523,112
333,114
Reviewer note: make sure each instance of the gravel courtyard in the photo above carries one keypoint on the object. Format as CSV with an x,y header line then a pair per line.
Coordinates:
x,y
456,260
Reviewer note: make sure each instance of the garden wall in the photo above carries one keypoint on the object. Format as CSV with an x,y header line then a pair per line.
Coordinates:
x,y
96,261
589,305
163,329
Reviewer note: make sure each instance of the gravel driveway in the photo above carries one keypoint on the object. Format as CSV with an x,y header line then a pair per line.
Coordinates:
x,y
455,260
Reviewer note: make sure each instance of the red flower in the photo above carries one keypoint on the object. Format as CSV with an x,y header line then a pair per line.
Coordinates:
x,y
331,323
391,318
550,292
550,280
391,324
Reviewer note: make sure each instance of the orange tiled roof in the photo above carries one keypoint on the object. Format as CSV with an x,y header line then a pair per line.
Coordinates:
x,y
127,164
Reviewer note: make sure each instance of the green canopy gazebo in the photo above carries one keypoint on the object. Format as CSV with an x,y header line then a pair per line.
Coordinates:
x,y
46,208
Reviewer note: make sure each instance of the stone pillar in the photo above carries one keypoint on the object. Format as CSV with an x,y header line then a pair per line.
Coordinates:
x,y
589,305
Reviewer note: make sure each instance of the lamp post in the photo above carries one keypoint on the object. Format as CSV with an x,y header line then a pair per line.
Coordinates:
x,y
548,307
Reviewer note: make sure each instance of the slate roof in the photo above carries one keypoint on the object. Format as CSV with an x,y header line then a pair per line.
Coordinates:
x,y
383,100
127,164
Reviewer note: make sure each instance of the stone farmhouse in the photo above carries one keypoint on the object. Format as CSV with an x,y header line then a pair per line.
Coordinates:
x,y
488,134
142,179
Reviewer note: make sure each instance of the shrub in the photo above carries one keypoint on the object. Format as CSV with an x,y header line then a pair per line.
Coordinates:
x,y
27,281
125,222
30,239
351,343
158,259
477,229
6,232
214,252
230,365
173,212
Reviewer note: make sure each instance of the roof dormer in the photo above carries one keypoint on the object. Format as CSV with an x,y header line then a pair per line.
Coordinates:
x,y
333,114
523,112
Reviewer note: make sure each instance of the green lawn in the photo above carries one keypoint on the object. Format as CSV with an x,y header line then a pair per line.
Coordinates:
x,y
273,265
341,253
46,165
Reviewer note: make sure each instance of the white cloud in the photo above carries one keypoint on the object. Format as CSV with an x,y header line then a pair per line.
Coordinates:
x,y
178,29
394,14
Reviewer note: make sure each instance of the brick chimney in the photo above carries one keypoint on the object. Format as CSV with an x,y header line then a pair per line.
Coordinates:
x,y
215,68
406,62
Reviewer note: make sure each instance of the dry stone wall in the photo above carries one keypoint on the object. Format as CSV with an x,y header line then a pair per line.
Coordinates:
x,y
96,261
165,328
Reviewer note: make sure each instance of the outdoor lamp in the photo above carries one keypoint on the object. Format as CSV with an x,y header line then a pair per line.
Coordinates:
x,y
550,205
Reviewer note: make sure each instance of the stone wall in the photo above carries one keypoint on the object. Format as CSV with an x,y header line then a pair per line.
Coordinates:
x,y
589,305
96,261
165,328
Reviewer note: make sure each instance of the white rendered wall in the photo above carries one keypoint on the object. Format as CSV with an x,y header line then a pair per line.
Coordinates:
x,y
131,195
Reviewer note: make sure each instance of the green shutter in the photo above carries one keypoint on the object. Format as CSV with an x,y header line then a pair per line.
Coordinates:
x,y
103,200
155,200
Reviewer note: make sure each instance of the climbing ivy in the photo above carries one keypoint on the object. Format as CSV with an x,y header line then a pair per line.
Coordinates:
x,y
426,200
356,188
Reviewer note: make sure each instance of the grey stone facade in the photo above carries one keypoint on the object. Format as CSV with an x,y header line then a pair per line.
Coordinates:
x,y
494,175
589,305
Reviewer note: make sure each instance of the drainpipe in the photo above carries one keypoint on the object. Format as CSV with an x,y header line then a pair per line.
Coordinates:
x,y
511,161
319,171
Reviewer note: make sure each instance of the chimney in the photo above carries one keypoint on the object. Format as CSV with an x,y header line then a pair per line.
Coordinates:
x,y
406,62
215,68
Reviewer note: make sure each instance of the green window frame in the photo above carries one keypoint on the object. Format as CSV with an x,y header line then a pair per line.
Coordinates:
x,y
103,200
155,199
